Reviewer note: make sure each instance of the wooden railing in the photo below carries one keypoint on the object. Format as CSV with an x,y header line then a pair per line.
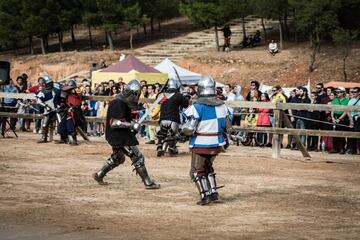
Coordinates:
x,y
278,109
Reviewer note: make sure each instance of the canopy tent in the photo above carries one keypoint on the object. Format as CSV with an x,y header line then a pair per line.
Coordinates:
x,y
129,68
341,84
187,77
266,88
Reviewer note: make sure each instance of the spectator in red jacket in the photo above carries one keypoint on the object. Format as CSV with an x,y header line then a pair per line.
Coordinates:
x,y
263,120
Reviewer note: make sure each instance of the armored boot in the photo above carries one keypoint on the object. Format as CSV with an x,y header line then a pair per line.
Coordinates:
x,y
159,150
62,140
110,164
214,195
44,135
173,151
73,139
148,182
201,183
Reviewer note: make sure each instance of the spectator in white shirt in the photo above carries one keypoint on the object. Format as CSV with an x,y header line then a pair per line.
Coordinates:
x,y
230,96
273,48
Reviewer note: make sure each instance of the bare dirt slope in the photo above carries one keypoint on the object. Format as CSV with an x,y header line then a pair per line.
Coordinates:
x,y
46,192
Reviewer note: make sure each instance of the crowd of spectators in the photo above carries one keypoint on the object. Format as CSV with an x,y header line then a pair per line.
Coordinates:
x,y
262,117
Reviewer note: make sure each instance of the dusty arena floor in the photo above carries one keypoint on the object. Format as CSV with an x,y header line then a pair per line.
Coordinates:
x,y
46,192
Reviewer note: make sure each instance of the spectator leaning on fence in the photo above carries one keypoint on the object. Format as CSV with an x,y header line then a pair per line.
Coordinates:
x,y
292,99
340,119
263,120
229,95
9,105
313,141
354,143
254,85
327,142
301,115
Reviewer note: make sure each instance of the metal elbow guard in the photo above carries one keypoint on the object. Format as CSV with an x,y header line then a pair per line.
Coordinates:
x,y
120,124
189,127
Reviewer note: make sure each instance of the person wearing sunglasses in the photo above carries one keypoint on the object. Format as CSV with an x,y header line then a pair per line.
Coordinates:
x,y
353,146
340,119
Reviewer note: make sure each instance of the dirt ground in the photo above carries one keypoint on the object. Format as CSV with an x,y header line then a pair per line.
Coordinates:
x,y
47,193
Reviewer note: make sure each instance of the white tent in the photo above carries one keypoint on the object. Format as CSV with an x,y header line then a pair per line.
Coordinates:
x,y
187,77
266,88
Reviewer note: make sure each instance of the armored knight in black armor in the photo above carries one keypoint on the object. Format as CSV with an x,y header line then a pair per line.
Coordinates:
x,y
120,134
170,117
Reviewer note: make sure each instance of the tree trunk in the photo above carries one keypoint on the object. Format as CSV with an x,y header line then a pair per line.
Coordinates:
x,y
46,38
110,40
318,41
31,45
281,35
152,25
145,31
286,26
106,38
344,68
264,28
159,25
90,37
315,49
131,39
73,35
60,37
243,27
217,39
42,42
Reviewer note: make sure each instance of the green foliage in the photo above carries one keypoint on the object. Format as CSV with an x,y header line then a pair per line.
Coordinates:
x,y
343,40
132,16
111,12
205,13
318,16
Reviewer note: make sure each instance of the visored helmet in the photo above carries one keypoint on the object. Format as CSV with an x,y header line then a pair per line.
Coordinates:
x,y
49,83
72,83
173,84
206,87
131,93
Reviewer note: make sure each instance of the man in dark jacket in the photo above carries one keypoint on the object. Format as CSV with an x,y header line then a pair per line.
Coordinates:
x,y
120,134
170,117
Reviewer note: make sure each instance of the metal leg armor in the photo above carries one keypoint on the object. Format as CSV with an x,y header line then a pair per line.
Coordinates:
x,y
199,176
214,195
202,185
73,139
45,129
138,161
117,158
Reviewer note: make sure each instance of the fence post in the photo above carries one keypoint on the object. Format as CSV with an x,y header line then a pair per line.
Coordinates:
x,y
276,144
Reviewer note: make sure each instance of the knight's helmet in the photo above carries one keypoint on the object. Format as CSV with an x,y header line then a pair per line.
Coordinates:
x,y
173,85
49,83
206,87
131,94
72,83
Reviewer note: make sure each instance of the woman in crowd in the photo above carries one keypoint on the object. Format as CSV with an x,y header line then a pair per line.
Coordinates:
x,y
263,120
90,107
100,108
327,142
154,115
313,141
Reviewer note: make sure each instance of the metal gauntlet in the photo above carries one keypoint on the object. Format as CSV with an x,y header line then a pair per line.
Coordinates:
x,y
189,128
120,124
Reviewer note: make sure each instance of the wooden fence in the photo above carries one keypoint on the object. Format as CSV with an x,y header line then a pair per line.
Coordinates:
x,y
278,109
